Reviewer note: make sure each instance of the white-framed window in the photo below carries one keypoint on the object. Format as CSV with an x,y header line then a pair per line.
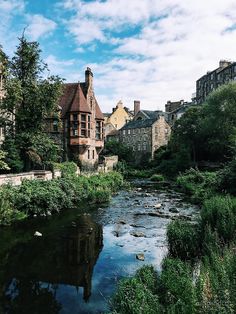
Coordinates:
x,y
123,132
139,147
128,131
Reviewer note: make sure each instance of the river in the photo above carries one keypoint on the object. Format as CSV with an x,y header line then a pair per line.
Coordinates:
x,y
75,265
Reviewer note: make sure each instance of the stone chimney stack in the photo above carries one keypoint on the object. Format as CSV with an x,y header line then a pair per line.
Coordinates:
x,y
89,78
136,106
224,63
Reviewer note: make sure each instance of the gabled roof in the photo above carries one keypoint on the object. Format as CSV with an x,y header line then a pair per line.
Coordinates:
x,y
98,113
152,114
73,99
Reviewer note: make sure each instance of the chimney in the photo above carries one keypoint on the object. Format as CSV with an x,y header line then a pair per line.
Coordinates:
x,y
224,63
88,78
136,106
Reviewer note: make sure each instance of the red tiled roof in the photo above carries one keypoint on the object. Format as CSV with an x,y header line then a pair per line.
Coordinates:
x,y
98,113
73,99
79,102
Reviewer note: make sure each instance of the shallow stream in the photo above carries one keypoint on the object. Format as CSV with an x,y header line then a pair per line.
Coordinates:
x,y
76,263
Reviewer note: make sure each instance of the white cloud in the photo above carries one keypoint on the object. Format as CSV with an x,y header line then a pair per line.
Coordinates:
x,y
177,43
39,26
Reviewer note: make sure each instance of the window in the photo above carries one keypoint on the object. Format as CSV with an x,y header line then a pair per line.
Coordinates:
x,y
144,146
139,147
83,125
93,154
55,125
98,130
75,132
156,128
75,117
128,131
123,132
133,131
89,125
88,154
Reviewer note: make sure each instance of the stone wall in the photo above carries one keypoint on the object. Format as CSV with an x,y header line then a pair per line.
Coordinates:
x,y
16,179
110,162
160,134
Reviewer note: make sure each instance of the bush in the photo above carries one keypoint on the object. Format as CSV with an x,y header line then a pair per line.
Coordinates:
x,y
135,295
220,214
157,178
227,178
183,240
45,197
68,169
176,288
200,185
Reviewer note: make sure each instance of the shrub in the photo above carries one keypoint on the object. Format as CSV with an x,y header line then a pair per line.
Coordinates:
x,y
68,169
135,296
220,214
157,178
200,185
183,240
176,288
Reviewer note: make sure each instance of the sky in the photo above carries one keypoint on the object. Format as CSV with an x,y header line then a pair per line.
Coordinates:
x,y
147,50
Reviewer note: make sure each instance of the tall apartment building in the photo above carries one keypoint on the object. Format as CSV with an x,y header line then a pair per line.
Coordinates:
x,y
225,73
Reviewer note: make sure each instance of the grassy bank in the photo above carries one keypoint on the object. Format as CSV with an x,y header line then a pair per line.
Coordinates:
x,y
199,273
48,197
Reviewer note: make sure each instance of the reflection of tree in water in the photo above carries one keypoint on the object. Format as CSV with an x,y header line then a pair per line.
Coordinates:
x,y
67,257
26,296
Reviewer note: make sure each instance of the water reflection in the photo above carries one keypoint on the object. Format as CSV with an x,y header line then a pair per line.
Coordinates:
x,y
34,270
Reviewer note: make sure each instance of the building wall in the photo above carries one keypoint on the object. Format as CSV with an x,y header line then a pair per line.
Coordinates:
x,y
139,140
119,117
160,134
225,73
145,141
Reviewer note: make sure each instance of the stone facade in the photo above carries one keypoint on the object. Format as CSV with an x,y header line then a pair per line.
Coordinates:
x,y
82,128
117,119
145,135
175,110
225,73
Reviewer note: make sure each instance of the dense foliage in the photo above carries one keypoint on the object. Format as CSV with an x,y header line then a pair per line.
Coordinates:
x,y
30,98
203,133
46,197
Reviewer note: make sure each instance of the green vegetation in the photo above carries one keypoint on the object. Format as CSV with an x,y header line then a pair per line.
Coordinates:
x,y
157,178
68,169
30,98
199,273
47,197
3,164
199,185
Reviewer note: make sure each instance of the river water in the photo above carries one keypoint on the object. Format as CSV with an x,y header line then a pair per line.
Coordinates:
x,y
75,265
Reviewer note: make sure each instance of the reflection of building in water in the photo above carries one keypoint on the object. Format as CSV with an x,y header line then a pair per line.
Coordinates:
x,y
66,258
83,245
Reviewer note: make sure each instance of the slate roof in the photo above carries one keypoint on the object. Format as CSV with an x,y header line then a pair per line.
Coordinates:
x,y
144,123
152,114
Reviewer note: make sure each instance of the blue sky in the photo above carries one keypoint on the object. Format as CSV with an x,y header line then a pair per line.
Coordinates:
x,y
148,50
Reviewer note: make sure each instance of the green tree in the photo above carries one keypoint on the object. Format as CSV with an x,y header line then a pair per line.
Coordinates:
x,y
3,164
30,98
219,122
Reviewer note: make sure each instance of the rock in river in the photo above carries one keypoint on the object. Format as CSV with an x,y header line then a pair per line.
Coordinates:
x,y
138,234
140,257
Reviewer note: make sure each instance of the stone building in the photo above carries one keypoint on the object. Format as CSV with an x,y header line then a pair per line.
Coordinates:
x,y
117,119
174,110
146,133
82,129
225,73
